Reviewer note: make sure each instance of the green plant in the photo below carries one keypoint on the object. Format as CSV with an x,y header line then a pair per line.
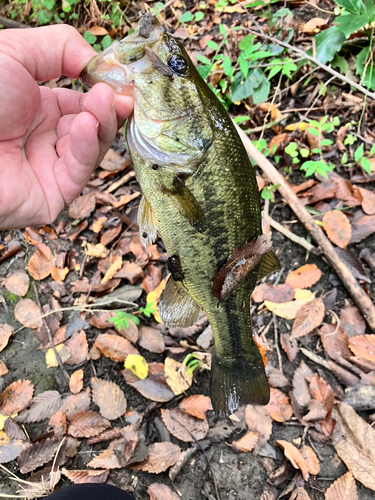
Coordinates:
x,y
11,297
105,42
268,192
362,160
122,318
192,362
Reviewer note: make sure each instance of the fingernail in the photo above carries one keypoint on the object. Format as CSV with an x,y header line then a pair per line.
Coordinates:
x,y
97,126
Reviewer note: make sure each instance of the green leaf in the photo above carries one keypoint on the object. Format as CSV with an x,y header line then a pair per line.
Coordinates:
x,y
348,24
246,42
244,67
370,10
91,39
372,150
274,71
203,59
313,131
186,17
325,142
212,44
241,119
353,6
366,165
344,158
304,152
291,148
222,30
204,71
358,153
282,13
199,16
106,42
328,43
262,54
341,64
49,4
369,78
227,66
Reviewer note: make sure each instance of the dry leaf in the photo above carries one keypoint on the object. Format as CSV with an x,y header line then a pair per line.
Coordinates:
x,y
312,25
290,346
137,365
311,459
115,347
363,346
160,457
196,405
109,235
279,407
13,431
152,279
130,271
37,454
153,387
87,424
10,448
159,491
184,426
76,381
304,277
300,388
82,206
5,334
98,31
76,403
99,251
246,443
289,310
59,274
295,457
279,293
151,339
368,203
86,476
258,420
113,162
3,368
78,348
344,488
299,494
41,263
351,320
131,332
309,317
27,312
109,397
176,375
16,397
335,342
17,283
63,352
115,265
42,406
354,441
338,228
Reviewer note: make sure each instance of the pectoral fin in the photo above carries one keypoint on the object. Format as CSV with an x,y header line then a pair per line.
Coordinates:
x,y
269,264
148,227
176,308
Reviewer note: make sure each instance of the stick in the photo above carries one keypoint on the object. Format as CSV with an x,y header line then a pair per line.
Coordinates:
x,y
9,23
121,181
360,298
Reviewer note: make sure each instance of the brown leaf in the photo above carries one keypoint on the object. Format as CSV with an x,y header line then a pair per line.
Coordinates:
x,y
98,251
184,426
130,271
10,448
27,312
160,457
196,405
279,407
309,317
58,424
259,291
109,235
246,443
290,346
295,457
289,310
82,206
159,491
115,347
32,236
86,476
152,279
311,459
277,379
131,332
258,420
87,424
100,320
300,388
354,441
363,346
303,277
109,397
312,25
368,203
76,381
335,342
139,251
16,397
12,430
338,228
41,263
151,339
351,320
37,454
153,387
321,391
59,274
279,293
76,403
17,283
112,161
177,376
362,228
3,368
344,488
78,348
5,334
299,494
42,406
98,31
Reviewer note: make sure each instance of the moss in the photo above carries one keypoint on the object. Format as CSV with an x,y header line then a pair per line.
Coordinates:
x,y
11,297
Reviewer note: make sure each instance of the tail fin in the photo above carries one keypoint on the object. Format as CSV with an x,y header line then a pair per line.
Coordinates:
x,y
238,381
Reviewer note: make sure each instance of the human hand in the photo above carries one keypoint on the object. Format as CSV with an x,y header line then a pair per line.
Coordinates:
x,y
50,139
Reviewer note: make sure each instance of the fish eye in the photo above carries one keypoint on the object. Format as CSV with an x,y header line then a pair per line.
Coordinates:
x,y
178,64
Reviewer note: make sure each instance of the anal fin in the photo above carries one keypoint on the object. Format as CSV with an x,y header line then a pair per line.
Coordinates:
x,y
269,264
148,226
176,308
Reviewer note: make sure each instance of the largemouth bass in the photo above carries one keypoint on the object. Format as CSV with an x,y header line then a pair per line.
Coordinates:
x,y
200,196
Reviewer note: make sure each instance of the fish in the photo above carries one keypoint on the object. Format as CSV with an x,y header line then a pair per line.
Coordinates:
x,y
200,196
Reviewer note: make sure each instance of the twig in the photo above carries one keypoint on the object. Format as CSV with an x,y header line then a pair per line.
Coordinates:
x,y
120,182
358,295
317,359
268,125
49,334
315,61
9,23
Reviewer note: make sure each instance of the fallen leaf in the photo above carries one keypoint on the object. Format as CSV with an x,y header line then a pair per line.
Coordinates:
x,y
335,342
59,274
98,251
290,346
5,334
258,420
159,491
78,348
42,406
160,457
113,161
300,387
309,317
27,313
82,206
304,277
362,228
338,228
115,347
363,346
354,441
279,407
279,293
153,387
63,352
87,424
151,339
351,320
312,25
368,203
311,459
76,381
17,283
196,405
109,235
32,236
16,397
130,271
131,332
246,443
176,376
10,448
98,224
295,457
3,368
137,365
152,279
76,403
344,488
41,263
13,431
86,476
289,310
184,426
109,397
299,494
37,454
98,31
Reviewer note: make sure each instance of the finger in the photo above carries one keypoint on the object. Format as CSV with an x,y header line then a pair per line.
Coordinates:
x,y
124,106
64,125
